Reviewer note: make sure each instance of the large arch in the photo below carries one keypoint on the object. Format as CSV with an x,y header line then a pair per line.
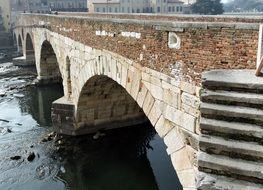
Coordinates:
x,y
49,67
30,52
106,74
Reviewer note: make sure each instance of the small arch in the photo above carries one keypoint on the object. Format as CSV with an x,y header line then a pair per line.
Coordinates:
x,y
14,40
69,85
20,47
49,68
30,53
22,33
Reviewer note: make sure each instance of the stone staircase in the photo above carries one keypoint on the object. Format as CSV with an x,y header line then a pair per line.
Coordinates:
x,y
231,124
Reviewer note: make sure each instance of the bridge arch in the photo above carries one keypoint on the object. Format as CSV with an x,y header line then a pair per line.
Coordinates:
x,y
20,46
30,50
48,66
112,90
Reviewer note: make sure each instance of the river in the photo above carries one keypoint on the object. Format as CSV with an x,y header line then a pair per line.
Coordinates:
x,y
34,158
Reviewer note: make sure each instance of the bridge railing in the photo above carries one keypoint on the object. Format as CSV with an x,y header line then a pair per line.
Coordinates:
x,y
260,51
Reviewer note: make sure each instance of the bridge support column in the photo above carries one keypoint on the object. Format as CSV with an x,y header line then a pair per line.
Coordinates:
x,y
62,114
48,80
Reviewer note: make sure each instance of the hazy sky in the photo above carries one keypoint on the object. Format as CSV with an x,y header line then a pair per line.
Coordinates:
x,y
225,1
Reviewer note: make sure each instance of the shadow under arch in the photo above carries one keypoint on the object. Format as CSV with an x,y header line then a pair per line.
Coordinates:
x,y
14,39
49,68
20,46
30,52
105,104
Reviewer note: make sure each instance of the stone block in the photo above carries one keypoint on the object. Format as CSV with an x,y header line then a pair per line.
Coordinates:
x,y
163,126
180,118
129,81
190,100
154,114
180,160
148,103
187,87
136,82
124,76
146,77
171,98
190,110
141,94
187,178
173,141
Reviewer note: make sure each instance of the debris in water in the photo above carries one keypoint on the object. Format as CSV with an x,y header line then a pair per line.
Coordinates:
x,y
98,135
15,158
19,95
62,169
31,156
4,120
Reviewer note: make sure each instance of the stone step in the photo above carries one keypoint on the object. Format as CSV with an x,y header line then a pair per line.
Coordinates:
x,y
232,113
236,168
241,80
232,130
230,97
215,182
232,148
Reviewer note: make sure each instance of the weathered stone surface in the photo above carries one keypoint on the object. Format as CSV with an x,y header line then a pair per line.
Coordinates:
x,y
245,79
213,182
228,166
154,114
231,128
190,100
173,141
181,160
180,118
240,149
233,97
163,126
232,111
187,178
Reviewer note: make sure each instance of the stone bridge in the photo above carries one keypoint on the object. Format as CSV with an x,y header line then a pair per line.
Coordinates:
x,y
120,70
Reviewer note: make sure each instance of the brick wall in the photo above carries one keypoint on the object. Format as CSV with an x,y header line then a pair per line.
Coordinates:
x,y
204,45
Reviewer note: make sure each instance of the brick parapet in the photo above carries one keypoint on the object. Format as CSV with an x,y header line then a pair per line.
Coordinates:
x,y
204,45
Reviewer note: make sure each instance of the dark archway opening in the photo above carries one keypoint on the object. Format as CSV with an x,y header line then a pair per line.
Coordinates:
x,y
30,53
20,47
102,102
49,68
14,40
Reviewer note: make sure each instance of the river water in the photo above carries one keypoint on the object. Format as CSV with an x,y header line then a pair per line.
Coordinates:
x,y
131,158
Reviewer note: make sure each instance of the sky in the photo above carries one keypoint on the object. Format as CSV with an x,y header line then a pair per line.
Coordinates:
x,y
225,1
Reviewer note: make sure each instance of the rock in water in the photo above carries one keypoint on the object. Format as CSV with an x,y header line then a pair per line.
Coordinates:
x,y
62,169
31,156
15,158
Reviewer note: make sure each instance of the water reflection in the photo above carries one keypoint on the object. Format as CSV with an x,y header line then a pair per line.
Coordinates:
x,y
38,101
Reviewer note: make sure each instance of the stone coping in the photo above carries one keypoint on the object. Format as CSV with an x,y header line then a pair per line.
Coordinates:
x,y
243,77
196,16
160,25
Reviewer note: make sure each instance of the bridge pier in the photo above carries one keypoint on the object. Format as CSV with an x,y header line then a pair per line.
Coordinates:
x,y
62,115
